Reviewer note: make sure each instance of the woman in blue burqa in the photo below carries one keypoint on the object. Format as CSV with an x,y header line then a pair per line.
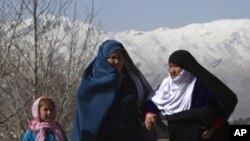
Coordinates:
x,y
111,97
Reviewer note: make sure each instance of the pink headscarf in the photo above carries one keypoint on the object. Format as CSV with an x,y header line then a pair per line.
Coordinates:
x,y
39,127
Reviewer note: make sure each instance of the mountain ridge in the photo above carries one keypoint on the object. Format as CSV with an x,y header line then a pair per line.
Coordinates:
x,y
221,46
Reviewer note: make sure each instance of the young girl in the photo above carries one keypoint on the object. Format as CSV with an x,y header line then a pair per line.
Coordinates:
x,y
43,126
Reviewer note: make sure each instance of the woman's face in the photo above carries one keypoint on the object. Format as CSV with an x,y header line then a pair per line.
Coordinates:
x,y
117,60
174,70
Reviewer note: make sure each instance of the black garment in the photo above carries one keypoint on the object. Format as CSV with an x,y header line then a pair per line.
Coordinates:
x,y
188,125
184,131
224,96
121,122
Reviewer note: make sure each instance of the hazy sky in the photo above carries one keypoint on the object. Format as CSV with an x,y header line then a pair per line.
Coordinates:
x,y
145,15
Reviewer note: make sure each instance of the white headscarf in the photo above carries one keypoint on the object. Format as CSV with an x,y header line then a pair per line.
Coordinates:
x,y
175,95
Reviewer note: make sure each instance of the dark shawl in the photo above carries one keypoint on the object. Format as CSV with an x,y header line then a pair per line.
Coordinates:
x,y
223,95
98,89
187,125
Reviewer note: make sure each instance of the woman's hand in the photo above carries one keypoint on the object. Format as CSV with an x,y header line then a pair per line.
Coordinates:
x,y
207,133
150,120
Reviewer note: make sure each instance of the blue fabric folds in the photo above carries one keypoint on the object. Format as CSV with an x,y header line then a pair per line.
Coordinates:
x,y
98,89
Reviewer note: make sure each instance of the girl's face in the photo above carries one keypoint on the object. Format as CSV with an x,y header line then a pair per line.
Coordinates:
x,y
47,111
174,70
117,60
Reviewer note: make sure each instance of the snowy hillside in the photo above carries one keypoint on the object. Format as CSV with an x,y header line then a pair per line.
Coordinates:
x,y
223,47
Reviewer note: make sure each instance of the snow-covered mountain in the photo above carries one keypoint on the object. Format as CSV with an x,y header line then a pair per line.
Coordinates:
x,y
223,47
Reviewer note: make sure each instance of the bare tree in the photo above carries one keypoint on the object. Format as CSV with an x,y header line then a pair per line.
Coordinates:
x,y
42,53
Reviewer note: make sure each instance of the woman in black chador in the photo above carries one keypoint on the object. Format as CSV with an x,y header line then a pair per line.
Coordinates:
x,y
195,103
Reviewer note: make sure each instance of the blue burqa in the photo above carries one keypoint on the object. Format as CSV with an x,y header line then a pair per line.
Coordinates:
x,y
98,89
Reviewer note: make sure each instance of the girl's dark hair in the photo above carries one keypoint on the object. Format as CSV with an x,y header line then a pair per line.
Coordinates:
x,y
45,100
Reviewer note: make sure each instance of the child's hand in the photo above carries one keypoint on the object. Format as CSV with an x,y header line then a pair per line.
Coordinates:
x,y
150,120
